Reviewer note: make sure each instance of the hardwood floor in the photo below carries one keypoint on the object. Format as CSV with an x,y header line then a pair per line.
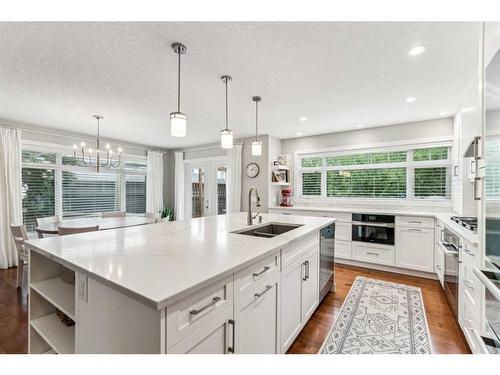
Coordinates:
x,y
13,313
445,333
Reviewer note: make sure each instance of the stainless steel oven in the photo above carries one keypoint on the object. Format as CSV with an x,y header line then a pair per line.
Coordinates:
x,y
451,245
373,228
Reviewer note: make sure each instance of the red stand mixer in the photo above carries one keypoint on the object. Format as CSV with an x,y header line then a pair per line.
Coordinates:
x,y
285,198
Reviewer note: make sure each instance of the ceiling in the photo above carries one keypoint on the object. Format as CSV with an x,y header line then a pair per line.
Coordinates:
x,y
336,74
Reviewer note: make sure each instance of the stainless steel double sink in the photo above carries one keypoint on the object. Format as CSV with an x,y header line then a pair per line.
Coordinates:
x,y
268,230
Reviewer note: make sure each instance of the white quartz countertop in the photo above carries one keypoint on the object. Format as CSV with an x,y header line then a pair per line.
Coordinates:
x,y
160,263
444,217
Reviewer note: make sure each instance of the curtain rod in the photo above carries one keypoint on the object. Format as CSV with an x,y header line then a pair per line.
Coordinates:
x,y
206,148
84,137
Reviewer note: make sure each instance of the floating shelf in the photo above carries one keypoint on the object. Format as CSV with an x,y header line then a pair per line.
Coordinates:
x,y
280,167
280,183
58,293
60,337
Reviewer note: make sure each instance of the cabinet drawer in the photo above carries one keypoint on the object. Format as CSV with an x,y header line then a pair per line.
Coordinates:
x,y
415,221
373,253
187,315
343,249
343,231
471,288
340,216
252,276
295,250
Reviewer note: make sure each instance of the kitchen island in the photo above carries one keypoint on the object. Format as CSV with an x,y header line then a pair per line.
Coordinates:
x,y
188,286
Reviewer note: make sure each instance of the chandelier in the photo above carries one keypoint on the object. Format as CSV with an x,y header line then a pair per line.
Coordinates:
x,y
93,160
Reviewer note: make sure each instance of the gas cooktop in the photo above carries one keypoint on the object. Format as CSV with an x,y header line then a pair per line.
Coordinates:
x,y
466,221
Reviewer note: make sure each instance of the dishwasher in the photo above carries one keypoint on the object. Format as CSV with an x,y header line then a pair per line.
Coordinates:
x,y
326,260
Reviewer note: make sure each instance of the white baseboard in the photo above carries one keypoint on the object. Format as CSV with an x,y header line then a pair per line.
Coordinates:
x,y
379,267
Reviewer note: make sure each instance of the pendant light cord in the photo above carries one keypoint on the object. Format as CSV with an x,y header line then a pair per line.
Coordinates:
x,y
225,81
256,118
179,81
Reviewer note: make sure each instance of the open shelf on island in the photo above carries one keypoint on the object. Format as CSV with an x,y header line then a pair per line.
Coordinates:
x,y
59,293
60,337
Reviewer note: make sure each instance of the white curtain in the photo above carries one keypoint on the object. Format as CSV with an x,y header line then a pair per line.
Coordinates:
x,y
179,186
154,182
234,179
10,193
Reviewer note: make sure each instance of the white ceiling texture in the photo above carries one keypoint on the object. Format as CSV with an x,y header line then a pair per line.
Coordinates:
x,y
336,74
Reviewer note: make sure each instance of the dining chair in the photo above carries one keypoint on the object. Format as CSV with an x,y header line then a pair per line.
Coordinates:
x,y
114,214
20,235
63,231
46,220
154,217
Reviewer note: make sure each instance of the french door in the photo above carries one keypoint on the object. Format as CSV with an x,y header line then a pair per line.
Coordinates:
x,y
205,184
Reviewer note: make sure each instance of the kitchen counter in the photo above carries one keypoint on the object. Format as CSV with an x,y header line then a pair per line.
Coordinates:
x,y
444,217
161,263
457,228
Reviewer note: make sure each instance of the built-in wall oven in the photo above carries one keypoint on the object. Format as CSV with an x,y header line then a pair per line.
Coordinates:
x,y
373,228
451,245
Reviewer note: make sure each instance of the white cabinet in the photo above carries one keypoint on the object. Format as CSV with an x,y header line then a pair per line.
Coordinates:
x,y
343,231
343,249
214,337
299,295
310,285
291,306
373,253
256,319
415,248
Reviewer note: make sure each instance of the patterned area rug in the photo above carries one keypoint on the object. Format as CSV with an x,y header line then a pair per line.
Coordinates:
x,y
379,317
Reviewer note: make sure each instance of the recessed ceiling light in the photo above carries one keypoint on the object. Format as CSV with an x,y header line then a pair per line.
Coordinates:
x,y
418,50
303,118
299,133
360,125
443,113
410,99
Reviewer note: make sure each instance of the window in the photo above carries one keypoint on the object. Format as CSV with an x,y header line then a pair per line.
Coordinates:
x,y
37,195
414,173
82,191
135,193
87,193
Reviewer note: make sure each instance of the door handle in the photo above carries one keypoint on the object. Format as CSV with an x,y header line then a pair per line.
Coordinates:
x,y
370,253
476,180
306,270
230,349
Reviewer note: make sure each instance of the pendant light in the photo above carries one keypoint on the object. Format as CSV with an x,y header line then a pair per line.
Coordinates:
x,y
256,145
178,120
226,135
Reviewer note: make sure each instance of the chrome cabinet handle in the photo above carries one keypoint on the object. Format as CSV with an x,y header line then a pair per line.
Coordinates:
x,y
442,235
470,252
414,221
230,349
438,267
468,323
414,230
306,270
469,284
286,213
370,253
213,302
476,180
268,288
266,268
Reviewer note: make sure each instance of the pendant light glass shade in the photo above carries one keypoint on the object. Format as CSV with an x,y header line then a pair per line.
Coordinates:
x,y
226,135
256,145
178,120
178,124
256,148
226,138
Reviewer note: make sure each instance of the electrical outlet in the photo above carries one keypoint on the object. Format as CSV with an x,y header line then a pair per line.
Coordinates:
x,y
83,283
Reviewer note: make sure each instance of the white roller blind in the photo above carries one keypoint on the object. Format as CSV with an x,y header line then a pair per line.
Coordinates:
x,y
135,194
88,193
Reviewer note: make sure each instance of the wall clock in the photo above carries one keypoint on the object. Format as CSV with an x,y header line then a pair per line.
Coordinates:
x,y
253,170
